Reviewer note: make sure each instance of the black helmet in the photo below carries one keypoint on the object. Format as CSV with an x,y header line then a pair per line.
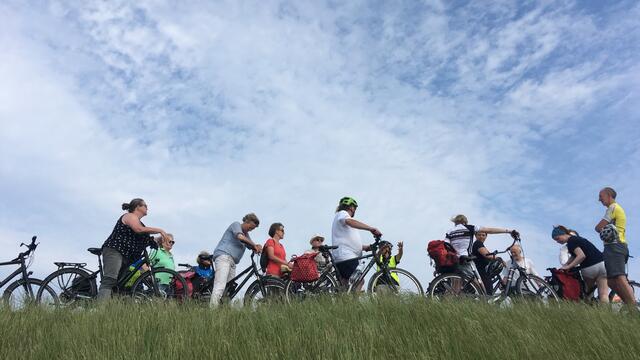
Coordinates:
x,y
384,243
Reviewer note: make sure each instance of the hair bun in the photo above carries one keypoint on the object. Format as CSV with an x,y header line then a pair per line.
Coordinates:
x,y
125,206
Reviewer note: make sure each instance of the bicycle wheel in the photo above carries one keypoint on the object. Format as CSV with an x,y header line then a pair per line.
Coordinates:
x,y
394,282
143,289
449,286
72,286
20,293
325,286
534,288
273,292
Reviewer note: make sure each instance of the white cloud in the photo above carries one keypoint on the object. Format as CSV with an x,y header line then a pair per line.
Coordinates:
x,y
282,110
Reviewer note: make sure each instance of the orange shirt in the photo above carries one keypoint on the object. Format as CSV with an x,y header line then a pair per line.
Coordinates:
x,y
273,268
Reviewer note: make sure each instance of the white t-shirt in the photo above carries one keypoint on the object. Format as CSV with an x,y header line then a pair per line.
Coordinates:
x,y
526,263
461,238
345,237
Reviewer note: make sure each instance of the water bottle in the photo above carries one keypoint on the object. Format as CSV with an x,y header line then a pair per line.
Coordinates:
x,y
356,274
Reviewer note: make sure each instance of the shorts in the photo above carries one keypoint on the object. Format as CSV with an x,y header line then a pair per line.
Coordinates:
x,y
615,258
347,268
594,271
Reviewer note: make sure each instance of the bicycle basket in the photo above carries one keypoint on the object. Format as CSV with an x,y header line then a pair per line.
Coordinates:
x,y
305,268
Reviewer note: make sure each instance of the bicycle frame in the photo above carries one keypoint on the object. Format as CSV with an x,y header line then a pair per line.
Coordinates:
x,y
21,270
232,288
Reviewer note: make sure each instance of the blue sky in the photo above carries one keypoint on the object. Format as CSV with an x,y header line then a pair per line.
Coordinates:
x,y
513,113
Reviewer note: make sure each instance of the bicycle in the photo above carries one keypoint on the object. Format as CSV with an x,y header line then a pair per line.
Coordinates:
x,y
12,296
264,288
458,285
386,280
74,284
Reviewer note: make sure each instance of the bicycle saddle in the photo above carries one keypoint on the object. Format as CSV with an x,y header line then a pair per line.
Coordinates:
x,y
95,251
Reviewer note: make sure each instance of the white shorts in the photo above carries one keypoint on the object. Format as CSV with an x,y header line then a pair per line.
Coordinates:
x,y
594,271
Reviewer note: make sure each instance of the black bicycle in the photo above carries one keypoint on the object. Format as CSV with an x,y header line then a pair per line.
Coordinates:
x,y
23,291
517,285
74,284
264,288
385,281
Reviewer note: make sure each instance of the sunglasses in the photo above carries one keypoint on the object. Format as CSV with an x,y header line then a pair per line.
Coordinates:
x,y
171,242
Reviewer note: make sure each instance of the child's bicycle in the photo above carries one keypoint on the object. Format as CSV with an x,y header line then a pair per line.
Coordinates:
x,y
74,284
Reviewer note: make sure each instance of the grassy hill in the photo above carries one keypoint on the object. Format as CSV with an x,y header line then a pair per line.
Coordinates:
x,y
346,329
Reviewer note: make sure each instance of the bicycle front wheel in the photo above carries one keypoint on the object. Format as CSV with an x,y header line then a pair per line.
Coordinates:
x,y
395,282
144,290
272,292
22,293
449,286
72,287
531,287
325,286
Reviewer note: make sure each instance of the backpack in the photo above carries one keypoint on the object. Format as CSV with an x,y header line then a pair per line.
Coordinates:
x,y
177,285
567,284
264,258
305,268
442,254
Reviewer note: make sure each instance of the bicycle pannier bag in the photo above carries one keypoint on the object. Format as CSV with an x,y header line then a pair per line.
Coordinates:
x,y
567,284
177,285
442,254
305,268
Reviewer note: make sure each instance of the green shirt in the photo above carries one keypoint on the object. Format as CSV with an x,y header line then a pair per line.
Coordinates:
x,y
161,258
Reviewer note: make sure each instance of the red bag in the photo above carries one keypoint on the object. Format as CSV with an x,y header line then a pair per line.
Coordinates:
x,y
442,253
187,276
305,268
568,284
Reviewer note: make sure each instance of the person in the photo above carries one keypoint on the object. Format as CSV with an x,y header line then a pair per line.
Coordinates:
x,y
163,258
204,272
584,254
316,242
526,263
612,230
276,254
461,238
483,258
563,257
344,234
125,244
228,253
384,256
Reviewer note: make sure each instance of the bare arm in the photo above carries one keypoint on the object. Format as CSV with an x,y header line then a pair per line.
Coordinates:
x,y
575,261
486,254
490,230
134,223
362,226
400,251
257,248
601,225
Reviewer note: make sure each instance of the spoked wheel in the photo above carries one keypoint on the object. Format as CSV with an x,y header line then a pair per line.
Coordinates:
x,y
272,292
449,286
72,287
166,288
395,282
325,286
22,293
531,287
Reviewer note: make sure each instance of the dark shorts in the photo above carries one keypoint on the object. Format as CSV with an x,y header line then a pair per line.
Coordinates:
x,y
615,259
348,267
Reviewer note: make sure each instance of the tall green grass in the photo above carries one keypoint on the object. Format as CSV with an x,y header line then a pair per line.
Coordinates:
x,y
346,329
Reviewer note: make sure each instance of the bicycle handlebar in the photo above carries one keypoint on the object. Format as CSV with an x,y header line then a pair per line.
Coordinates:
x,y
185,265
30,248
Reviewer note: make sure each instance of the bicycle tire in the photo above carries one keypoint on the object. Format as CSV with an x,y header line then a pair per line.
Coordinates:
x,y
381,283
72,287
536,288
325,286
13,300
142,289
444,287
274,292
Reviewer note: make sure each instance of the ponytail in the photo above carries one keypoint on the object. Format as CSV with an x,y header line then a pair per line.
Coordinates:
x,y
132,205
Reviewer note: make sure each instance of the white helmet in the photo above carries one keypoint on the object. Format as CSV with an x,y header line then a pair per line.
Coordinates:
x,y
609,234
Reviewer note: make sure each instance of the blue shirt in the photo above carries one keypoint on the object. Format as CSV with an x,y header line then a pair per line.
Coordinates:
x,y
204,272
230,245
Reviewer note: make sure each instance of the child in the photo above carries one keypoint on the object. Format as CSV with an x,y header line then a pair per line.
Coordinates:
x,y
204,271
384,256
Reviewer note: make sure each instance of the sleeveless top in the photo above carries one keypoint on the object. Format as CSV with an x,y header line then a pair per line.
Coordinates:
x,y
126,241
